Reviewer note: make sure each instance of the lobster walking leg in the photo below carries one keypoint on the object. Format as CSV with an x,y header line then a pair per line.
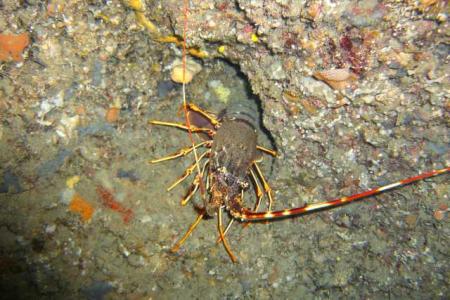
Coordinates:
x,y
194,187
258,191
207,115
191,228
222,236
194,129
219,239
182,152
187,172
266,186
268,151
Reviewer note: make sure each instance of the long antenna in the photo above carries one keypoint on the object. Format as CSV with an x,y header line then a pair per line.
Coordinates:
x,y
188,123
247,215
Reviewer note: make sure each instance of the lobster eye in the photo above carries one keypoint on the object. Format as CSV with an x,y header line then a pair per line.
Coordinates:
x,y
243,184
229,180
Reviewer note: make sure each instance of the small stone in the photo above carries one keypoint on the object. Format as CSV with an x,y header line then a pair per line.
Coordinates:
x,y
276,71
439,214
66,196
112,114
136,260
50,229
90,153
192,69
66,128
411,220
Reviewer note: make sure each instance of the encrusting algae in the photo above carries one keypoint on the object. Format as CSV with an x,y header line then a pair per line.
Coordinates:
x,y
12,46
108,200
79,205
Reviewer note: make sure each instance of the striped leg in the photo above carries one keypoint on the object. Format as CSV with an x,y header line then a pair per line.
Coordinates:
x,y
195,185
222,236
258,191
267,151
188,171
248,215
219,239
194,129
191,228
210,116
181,152
266,186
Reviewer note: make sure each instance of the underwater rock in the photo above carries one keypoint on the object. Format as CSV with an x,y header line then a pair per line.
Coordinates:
x,y
48,168
11,183
97,290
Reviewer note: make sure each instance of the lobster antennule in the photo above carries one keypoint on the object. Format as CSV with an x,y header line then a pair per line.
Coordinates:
x,y
248,216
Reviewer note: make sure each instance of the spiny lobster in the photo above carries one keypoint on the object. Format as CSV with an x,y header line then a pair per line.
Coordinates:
x,y
232,162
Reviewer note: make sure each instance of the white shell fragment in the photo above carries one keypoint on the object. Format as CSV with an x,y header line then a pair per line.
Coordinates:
x,y
192,69
336,78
